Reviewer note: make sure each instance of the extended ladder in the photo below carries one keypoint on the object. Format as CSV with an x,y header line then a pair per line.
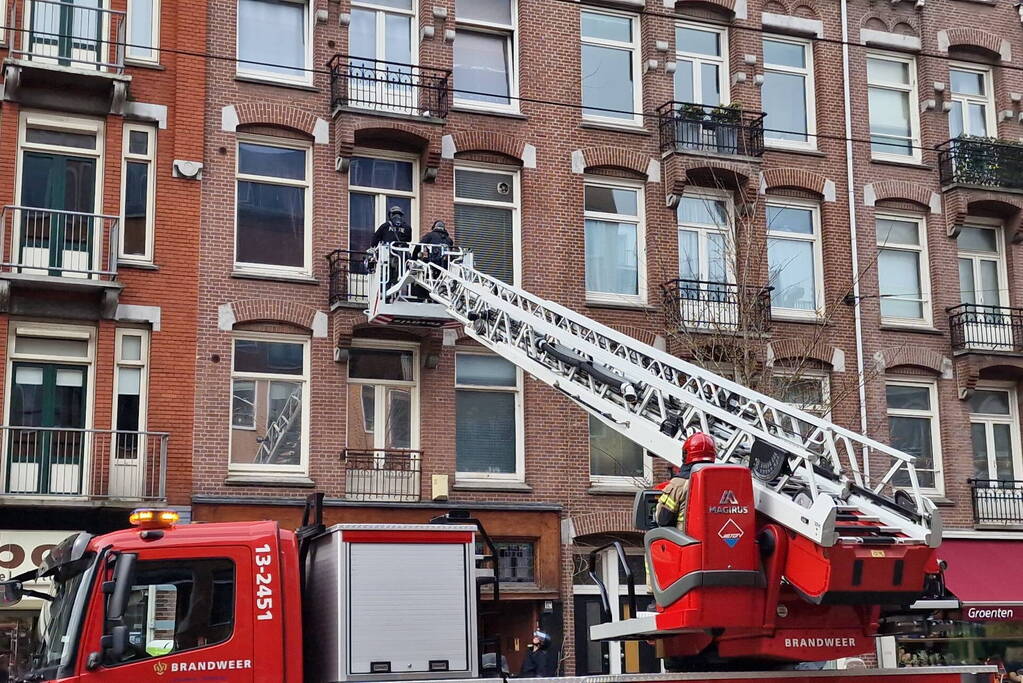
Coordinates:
x,y
811,476
280,428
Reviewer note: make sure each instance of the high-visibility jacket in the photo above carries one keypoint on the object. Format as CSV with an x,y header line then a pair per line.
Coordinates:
x,y
671,506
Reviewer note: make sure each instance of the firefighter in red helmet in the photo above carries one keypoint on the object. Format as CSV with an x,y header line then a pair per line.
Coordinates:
x,y
671,506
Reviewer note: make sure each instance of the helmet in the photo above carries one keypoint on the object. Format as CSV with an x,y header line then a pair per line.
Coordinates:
x,y
699,447
395,209
439,225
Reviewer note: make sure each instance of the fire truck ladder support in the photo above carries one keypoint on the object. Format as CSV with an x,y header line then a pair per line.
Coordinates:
x,y
811,476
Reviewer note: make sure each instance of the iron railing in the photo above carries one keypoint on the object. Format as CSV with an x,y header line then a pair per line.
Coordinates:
x,y
389,475
974,327
90,463
58,243
67,34
981,161
718,130
349,276
392,87
717,306
997,501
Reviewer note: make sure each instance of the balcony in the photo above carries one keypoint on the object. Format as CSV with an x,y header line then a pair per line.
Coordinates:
x,y
66,55
997,502
977,328
385,87
349,273
82,465
391,475
719,307
687,128
981,162
63,251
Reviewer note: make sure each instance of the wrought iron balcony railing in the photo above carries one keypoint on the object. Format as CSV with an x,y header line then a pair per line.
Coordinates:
x,y
718,130
388,475
981,161
95,464
717,306
974,327
58,243
383,86
997,501
68,34
349,276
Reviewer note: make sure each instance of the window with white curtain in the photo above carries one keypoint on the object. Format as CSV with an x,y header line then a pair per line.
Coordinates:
x,y
484,69
994,433
615,259
381,61
788,93
610,66
902,273
794,258
891,95
488,418
701,58
914,429
273,40
143,34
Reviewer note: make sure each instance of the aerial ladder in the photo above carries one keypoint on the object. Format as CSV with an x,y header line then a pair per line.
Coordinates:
x,y
840,519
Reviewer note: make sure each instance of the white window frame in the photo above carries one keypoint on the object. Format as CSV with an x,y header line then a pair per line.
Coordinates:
x,y
807,73
253,72
142,364
818,258
150,159
704,230
414,385
381,33
511,32
933,416
640,298
515,206
637,76
698,59
380,194
1012,419
991,118
1003,272
611,481
924,266
247,468
910,91
154,49
3,22
307,184
519,475
819,376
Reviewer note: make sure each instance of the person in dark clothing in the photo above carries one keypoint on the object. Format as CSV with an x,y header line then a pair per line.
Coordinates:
x,y
541,661
439,242
395,229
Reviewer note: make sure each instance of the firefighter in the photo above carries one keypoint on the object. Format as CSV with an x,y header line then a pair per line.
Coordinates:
x,y
394,230
671,506
540,661
438,238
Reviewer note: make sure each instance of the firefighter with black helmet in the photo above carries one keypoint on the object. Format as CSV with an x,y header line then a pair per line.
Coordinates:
x,y
671,506
394,229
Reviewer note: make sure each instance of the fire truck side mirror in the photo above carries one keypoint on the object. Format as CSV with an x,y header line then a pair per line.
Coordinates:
x,y
115,641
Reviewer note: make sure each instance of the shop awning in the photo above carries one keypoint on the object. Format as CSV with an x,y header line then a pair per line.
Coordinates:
x,y
982,572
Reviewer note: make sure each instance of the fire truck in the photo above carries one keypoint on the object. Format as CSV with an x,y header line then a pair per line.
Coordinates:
x,y
802,542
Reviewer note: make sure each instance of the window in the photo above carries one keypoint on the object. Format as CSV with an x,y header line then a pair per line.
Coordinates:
x,y
383,406
374,185
178,605
380,43
809,391
610,66
485,71
138,179
488,418
269,401
902,273
788,95
891,93
273,206
143,36
487,220
982,278
273,40
616,460
701,72
131,383
794,258
704,252
994,432
973,108
515,560
615,243
913,428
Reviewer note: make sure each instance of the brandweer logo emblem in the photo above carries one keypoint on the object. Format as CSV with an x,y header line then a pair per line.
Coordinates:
x,y
731,532
728,505
160,668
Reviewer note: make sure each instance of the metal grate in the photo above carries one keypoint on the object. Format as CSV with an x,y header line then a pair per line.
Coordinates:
x,y
349,274
391,87
981,161
58,243
718,306
68,34
974,327
997,501
719,130
390,475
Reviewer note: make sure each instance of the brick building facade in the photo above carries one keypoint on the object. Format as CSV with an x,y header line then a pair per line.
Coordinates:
x,y
518,124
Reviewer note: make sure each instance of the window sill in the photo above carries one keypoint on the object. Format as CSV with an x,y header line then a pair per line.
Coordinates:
x,y
618,128
155,66
245,78
370,111
620,305
611,490
137,265
296,279
279,480
465,109
491,485
902,164
921,329
794,150
799,320
940,501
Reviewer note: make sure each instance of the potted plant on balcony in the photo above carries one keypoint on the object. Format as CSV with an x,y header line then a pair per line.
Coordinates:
x,y
727,119
691,118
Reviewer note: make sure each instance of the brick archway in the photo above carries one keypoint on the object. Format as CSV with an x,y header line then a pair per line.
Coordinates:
x,y
975,38
821,352
270,114
902,190
409,136
735,7
800,179
489,141
273,310
901,356
645,336
615,157
960,201
599,523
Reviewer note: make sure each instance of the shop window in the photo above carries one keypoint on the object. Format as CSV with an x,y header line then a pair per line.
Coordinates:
x,y
515,560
